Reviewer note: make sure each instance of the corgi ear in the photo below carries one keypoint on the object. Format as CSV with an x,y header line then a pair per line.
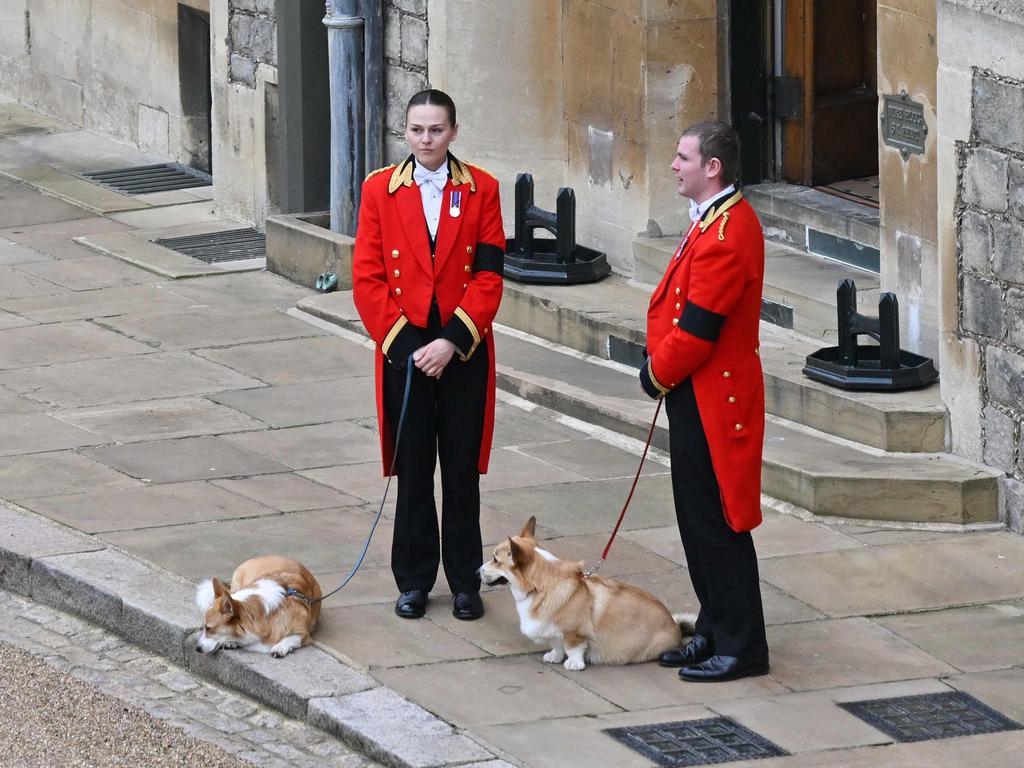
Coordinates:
x,y
205,595
518,554
227,605
530,529
219,590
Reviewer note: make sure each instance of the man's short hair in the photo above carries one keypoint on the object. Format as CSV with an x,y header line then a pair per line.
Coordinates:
x,y
719,140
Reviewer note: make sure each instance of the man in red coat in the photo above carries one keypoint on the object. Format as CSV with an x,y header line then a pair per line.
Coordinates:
x,y
702,344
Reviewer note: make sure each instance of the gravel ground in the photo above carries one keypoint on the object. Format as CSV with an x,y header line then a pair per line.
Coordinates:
x,y
52,720
73,694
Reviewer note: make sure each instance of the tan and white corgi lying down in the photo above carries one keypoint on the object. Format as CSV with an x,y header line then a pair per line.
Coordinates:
x,y
258,612
596,620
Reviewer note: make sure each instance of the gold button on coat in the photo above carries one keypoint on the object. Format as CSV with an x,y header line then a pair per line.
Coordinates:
x,y
726,374
398,291
678,291
738,427
466,268
732,399
678,305
397,273
394,254
469,249
675,321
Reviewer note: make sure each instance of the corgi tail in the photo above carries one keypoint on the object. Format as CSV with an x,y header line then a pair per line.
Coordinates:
x,y
687,622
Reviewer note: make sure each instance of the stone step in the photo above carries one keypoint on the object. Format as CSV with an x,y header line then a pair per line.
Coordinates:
x,y
608,320
817,222
799,287
804,467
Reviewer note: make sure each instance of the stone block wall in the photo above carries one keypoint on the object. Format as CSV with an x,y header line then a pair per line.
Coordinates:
x,y
991,251
252,40
405,68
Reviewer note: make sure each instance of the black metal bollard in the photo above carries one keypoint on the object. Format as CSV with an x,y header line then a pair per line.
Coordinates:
x,y
867,367
562,260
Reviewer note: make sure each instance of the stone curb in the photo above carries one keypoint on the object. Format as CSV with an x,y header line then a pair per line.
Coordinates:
x,y
75,572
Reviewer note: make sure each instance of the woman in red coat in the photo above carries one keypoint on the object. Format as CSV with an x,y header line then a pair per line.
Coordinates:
x,y
426,275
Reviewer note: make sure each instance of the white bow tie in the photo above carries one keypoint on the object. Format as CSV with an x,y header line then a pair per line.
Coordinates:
x,y
438,178
694,211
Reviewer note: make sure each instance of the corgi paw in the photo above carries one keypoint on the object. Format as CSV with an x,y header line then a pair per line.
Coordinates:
x,y
574,665
554,656
279,652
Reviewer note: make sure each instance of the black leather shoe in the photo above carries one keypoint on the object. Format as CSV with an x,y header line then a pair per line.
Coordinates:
x,y
718,669
411,604
467,606
694,652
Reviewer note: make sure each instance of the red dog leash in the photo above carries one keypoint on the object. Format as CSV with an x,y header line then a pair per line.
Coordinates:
x,y
643,457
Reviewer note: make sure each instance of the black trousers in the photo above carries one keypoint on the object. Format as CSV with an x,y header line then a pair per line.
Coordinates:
x,y
722,563
444,420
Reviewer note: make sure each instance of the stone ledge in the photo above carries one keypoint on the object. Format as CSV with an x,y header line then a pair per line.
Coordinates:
x,y
394,730
300,247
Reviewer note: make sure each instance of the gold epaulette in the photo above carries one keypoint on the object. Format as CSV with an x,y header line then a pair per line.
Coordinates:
x,y
721,226
371,174
402,175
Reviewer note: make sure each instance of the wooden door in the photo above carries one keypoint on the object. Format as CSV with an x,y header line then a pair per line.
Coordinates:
x,y
828,92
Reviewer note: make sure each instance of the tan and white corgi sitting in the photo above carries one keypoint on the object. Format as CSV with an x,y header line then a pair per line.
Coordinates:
x,y
596,620
272,608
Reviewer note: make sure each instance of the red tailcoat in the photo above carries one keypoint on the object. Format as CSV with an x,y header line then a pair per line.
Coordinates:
x,y
703,323
394,277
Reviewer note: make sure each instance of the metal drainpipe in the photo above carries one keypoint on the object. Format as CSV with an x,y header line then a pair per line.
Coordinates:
x,y
348,162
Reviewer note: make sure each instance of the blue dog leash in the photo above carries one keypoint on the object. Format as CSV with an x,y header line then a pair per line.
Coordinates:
x,y
290,592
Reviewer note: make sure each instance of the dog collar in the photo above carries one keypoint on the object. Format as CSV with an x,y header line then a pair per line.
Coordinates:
x,y
292,592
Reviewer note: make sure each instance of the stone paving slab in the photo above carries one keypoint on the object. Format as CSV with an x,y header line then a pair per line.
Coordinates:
x,y
288,492
204,327
286,684
364,481
323,540
88,273
188,458
296,361
578,508
23,206
79,192
147,506
309,447
105,302
18,284
157,419
973,639
12,404
520,471
964,569
196,212
293,405
14,254
592,459
373,637
841,652
55,343
394,730
244,291
9,320
60,472
39,432
499,634
493,691
121,594
141,377
55,239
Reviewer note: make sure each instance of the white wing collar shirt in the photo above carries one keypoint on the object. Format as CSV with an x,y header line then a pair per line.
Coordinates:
x,y
431,184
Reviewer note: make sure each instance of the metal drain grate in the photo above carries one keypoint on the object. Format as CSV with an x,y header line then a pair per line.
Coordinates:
x,y
150,178
696,742
211,247
930,716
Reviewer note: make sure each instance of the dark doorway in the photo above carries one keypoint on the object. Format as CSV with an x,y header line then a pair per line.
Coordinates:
x,y
750,83
304,107
194,86
829,61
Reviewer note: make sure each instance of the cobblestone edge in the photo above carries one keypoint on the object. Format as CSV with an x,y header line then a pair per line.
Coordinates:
x,y
58,566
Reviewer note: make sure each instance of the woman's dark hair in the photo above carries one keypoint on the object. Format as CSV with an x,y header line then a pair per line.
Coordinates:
x,y
435,98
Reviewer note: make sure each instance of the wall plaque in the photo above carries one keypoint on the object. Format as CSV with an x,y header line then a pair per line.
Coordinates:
x,y
903,125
